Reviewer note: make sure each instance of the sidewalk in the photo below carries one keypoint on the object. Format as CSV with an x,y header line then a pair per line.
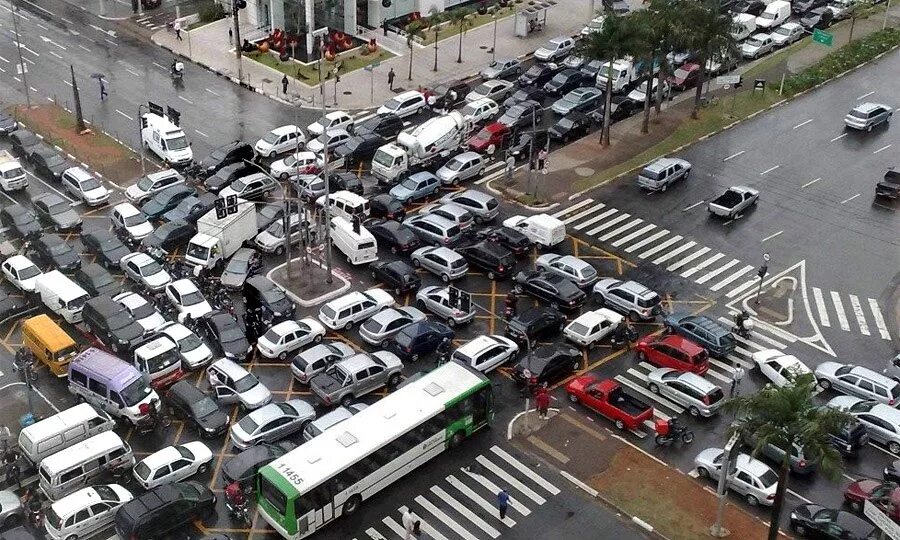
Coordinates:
x,y
208,46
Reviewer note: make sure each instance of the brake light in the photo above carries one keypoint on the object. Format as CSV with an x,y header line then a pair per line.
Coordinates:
x,y
407,349
327,400
802,463
890,402
500,268
770,497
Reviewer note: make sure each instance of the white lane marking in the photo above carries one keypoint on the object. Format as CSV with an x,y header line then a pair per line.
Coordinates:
x,y
133,72
494,488
685,260
4,59
524,469
660,247
65,20
491,509
762,325
708,276
58,192
650,239
860,316
447,520
771,236
41,26
767,171
732,156
589,211
635,234
701,265
572,208
680,249
864,96
186,100
839,308
125,115
83,47
722,284
373,534
686,208
801,124
394,526
608,224
213,93
465,512
67,83
628,226
111,42
811,182
841,136
509,479
198,132
879,319
820,306
160,66
595,219
429,530
56,55
850,199
801,497
883,148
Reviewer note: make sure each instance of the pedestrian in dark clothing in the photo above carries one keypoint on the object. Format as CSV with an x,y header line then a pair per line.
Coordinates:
x,y
417,530
542,400
503,503
284,83
230,36
13,476
103,92
391,79
384,25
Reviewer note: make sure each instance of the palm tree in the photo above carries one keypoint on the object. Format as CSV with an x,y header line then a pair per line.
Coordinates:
x,y
435,18
611,43
670,26
709,34
786,417
415,29
645,45
462,19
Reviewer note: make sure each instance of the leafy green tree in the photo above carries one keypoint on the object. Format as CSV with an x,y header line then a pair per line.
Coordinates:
x,y
710,35
645,44
785,417
462,20
415,29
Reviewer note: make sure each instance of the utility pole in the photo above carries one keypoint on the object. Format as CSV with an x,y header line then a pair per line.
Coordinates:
x,y
79,117
237,5
22,67
327,239
531,150
140,141
763,270
493,47
728,462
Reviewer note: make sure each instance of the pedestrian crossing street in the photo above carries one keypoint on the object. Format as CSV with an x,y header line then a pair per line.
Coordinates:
x,y
464,504
706,266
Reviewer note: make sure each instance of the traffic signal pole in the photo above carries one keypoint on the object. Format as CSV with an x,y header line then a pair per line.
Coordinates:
x,y
237,5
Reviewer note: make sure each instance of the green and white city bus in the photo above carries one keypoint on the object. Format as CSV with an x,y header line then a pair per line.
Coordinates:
x,y
332,474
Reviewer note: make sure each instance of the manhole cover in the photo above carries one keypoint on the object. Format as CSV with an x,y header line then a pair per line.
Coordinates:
x,y
584,171
347,92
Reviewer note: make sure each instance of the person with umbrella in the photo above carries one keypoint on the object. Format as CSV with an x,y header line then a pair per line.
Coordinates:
x,y
100,79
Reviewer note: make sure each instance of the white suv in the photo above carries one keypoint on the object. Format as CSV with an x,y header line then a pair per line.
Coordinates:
x,y
403,105
85,186
353,307
280,139
85,512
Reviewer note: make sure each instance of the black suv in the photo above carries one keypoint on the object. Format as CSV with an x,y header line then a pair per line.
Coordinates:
x,y
850,439
539,74
162,510
243,467
50,249
106,246
222,329
534,323
97,280
197,409
112,324
21,222
385,206
418,339
168,236
259,291
398,275
346,181
510,238
393,234
233,152
565,80
554,289
547,364
495,259
387,125
359,148
190,209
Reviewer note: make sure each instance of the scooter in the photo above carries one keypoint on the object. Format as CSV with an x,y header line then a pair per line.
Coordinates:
x,y
619,338
177,72
743,324
667,432
238,510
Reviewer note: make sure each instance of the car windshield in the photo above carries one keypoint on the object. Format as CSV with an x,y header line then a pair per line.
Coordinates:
x,y
136,219
151,268
276,229
135,392
59,207
682,73
189,342
144,184
239,185
54,160
578,328
859,114
248,425
185,453
272,336
409,184
328,312
191,298
566,123
230,334
143,311
271,137
753,42
161,362
53,518
392,104
238,266
454,164
59,249
245,383
483,89
142,470
768,478
177,143
204,407
767,15
272,296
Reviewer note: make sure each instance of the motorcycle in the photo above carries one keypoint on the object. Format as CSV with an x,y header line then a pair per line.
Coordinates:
x,y
177,72
667,432
236,503
620,337
743,324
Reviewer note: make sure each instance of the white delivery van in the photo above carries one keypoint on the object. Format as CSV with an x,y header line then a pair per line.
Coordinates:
x,y
62,430
775,13
62,295
218,239
743,26
76,468
346,204
544,230
360,248
162,137
12,175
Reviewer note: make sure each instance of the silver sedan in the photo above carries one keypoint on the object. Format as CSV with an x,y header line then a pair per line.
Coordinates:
x,y
579,271
387,322
271,423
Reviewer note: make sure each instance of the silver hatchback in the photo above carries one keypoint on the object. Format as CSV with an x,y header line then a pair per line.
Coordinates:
x,y
868,115
387,322
451,212
437,301
316,360
441,261
461,167
434,230
699,396
481,205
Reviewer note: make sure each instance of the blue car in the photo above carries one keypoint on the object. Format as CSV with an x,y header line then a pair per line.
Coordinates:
x,y
417,187
418,340
702,330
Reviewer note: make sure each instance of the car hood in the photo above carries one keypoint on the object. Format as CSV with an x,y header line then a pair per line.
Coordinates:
x,y
843,402
157,280
764,356
490,72
863,488
67,218
230,279
134,192
66,259
827,369
214,421
244,465
707,456
806,511
256,397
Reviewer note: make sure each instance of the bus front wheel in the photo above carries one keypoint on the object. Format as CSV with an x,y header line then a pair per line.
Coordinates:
x,y
352,504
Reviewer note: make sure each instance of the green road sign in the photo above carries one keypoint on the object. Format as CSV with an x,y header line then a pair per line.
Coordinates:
x,y
820,36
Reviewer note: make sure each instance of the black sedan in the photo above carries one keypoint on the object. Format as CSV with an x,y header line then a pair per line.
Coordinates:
x,y
395,235
359,148
571,126
224,330
168,236
449,95
268,214
48,162
554,289
253,186
547,364
345,181
51,250
397,275
539,74
10,304
20,222
8,124
226,175
166,200
233,152
510,238
198,409
96,280
191,208
522,114
565,80
24,142
419,339
107,247
753,7
620,108
387,125
387,207
892,472
814,521
493,258
818,18
528,93
521,144
242,468
535,323
55,211
244,263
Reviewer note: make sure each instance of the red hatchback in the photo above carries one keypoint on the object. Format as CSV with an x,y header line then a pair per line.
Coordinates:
x,y
676,352
489,138
883,495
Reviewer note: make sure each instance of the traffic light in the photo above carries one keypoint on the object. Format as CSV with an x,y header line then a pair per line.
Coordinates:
x,y
763,270
240,4
221,212
154,108
386,3
231,204
173,115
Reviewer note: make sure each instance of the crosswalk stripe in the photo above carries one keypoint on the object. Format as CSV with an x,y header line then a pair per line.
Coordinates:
x,y
710,372
429,530
660,247
374,535
860,315
820,306
709,275
524,469
721,365
572,208
746,364
722,284
650,239
701,265
839,308
685,260
479,500
519,486
647,393
619,230
596,208
608,224
715,374
444,518
493,488
635,234
879,319
468,514
680,249
762,325
741,288
394,526
594,219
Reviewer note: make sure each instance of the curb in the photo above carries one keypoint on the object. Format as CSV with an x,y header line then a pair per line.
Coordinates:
x,y
487,186
314,301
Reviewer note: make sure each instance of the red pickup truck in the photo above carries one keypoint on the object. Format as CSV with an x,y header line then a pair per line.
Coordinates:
x,y
607,398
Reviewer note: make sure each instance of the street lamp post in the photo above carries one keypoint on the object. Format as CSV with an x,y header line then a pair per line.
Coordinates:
x,y
22,67
531,150
493,47
140,140
328,278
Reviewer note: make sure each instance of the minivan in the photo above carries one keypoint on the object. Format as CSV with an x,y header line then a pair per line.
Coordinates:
x,y
858,381
699,396
85,512
163,509
65,472
480,110
775,13
434,230
153,183
461,167
110,384
346,204
356,243
62,430
49,343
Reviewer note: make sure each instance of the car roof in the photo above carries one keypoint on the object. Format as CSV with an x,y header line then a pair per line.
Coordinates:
x,y
126,209
79,173
184,285
19,262
162,457
281,130
473,194
753,466
230,368
357,361
387,315
408,94
694,380
477,345
342,301
868,106
662,163
682,343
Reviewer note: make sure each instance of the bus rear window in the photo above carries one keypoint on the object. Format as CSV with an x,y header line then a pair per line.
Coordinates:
x,y
273,495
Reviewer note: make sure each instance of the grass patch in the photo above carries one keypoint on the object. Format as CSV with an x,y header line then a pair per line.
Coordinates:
x,y
309,73
448,30
529,199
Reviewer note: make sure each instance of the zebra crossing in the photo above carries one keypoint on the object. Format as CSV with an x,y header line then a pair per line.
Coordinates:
x,y
708,267
464,503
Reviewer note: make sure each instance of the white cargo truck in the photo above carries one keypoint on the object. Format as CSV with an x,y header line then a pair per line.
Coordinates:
x,y
419,148
217,239
625,74
12,175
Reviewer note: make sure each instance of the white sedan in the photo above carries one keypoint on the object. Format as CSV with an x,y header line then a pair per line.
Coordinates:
x,y
592,326
194,352
187,299
142,311
778,367
485,353
21,272
173,464
289,336
145,270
